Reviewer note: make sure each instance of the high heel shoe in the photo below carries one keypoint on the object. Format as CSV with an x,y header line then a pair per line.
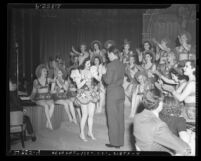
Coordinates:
x,y
83,138
91,136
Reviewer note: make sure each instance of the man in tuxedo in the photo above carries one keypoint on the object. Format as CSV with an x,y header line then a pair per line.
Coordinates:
x,y
115,97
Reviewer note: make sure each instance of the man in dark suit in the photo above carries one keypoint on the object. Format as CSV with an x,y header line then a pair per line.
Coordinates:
x,y
15,105
115,97
151,133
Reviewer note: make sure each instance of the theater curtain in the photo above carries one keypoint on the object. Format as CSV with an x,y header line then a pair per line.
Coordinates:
x,y
40,37
58,35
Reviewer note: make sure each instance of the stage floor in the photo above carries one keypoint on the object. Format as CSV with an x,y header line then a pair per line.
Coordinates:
x,y
67,137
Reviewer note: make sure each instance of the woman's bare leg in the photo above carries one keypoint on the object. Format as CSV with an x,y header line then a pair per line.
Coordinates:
x,y
72,110
66,107
51,106
83,121
45,105
91,109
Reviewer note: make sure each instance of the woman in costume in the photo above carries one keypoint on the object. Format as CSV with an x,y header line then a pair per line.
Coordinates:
x,y
41,93
87,95
59,89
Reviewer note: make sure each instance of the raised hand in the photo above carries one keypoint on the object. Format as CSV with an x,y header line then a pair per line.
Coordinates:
x,y
138,51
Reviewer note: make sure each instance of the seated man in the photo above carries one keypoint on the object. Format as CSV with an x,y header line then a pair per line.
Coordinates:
x,y
151,133
15,105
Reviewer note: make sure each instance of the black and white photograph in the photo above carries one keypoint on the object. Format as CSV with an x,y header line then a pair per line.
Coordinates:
x,y
102,78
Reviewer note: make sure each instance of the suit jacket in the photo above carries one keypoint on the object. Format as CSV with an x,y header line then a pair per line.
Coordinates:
x,y
152,134
15,102
114,78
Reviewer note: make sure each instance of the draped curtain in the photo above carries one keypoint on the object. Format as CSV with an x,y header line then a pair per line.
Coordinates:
x,y
40,36
58,35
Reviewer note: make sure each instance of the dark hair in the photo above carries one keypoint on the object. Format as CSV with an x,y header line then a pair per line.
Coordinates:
x,y
171,106
151,98
93,60
58,57
135,57
82,66
50,59
114,50
150,54
177,72
150,45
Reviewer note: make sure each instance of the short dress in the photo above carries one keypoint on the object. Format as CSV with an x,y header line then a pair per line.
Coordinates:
x,y
87,94
42,96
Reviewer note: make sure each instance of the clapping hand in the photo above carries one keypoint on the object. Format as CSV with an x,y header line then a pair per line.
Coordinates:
x,y
138,51
103,70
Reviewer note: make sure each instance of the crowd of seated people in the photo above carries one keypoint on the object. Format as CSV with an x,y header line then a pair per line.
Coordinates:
x,y
158,64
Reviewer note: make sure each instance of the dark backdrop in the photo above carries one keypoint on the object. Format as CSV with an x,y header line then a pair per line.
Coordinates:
x,y
44,33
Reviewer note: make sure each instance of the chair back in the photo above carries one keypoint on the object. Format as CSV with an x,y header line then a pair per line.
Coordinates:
x,y
16,118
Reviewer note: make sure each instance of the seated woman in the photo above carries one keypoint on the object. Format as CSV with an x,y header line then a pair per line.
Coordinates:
x,y
97,62
171,115
96,47
162,49
185,50
59,89
41,93
147,46
171,62
82,54
129,78
72,93
149,65
151,133
15,105
131,67
126,52
177,79
186,92
143,85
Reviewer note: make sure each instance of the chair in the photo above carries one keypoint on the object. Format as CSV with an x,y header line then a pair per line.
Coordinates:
x,y
16,124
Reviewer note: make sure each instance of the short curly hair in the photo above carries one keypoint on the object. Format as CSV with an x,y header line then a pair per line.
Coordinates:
x,y
151,99
171,107
39,70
